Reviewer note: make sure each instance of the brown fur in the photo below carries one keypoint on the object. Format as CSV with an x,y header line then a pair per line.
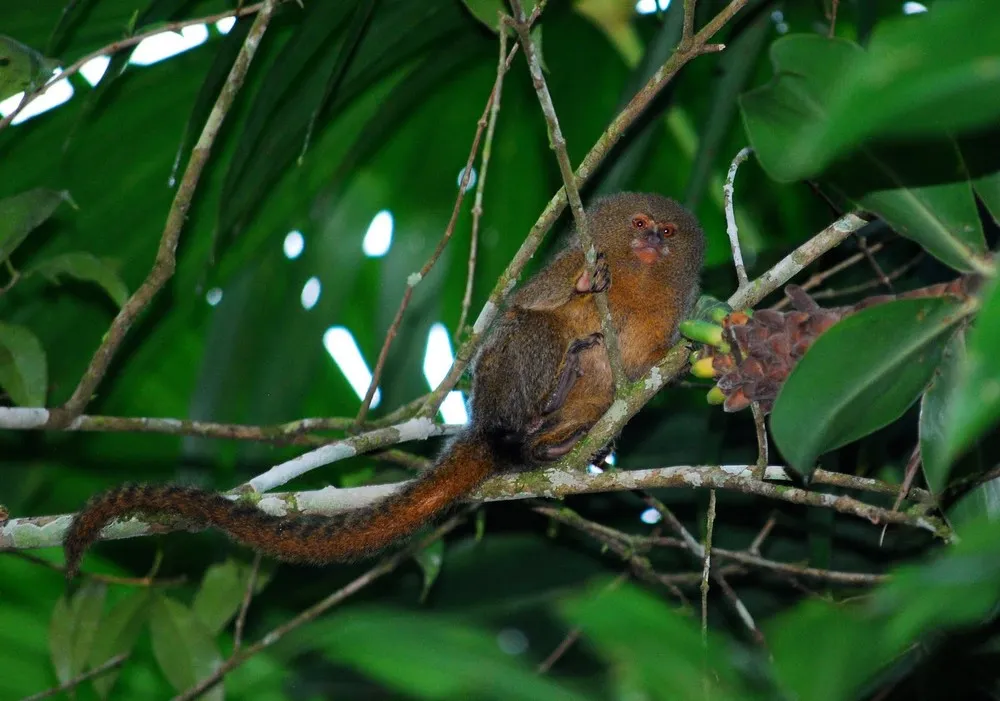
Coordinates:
x,y
540,382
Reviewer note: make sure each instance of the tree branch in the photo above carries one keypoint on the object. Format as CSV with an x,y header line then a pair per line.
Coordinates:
x,y
291,433
558,144
166,255
48,531
477,205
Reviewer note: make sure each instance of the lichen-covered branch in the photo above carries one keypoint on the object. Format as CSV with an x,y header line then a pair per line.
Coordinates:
x,y
297,432
47,531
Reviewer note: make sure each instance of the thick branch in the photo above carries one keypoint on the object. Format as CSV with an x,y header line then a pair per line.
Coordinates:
x,y
47,531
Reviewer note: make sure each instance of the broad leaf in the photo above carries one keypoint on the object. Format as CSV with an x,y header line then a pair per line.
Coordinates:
x,y
860,375
221,593
632,628
932,74
934,408
73,627
431,658
430,560
117,634
923,191
85,267
23,366
981,503
21,213
183,648
487,12
975,407
981,153
21,67
836,663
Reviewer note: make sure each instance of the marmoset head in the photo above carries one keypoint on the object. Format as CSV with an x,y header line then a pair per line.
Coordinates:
x,y
653,230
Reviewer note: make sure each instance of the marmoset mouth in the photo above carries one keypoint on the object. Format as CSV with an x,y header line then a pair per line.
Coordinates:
x,y
649,248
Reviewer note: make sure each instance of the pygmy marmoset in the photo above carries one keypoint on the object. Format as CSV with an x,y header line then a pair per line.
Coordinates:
x,y
540,382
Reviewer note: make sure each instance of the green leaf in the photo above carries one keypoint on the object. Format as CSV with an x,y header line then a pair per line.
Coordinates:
x,y
73,627
85,267
960,587
183,648
399,32
21,213
735,67
487,12
430,658
934,407
981,503
860,375
632,628
844,649
118,634
21,67
220,595
23,367
430,560
976,403
981,153
932,74
921,190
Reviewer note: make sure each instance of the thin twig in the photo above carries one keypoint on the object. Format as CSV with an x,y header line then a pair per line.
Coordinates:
x,y
147,581
116,46
292,433
762,535
314,611
817,279
729,195
241,619
761,430
871,284
731,229
833,17
688,32
707,565
629,549
477,206
166,255
414,429
750,559
912,468
104,668
414,279
557,143
793,263
869,255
